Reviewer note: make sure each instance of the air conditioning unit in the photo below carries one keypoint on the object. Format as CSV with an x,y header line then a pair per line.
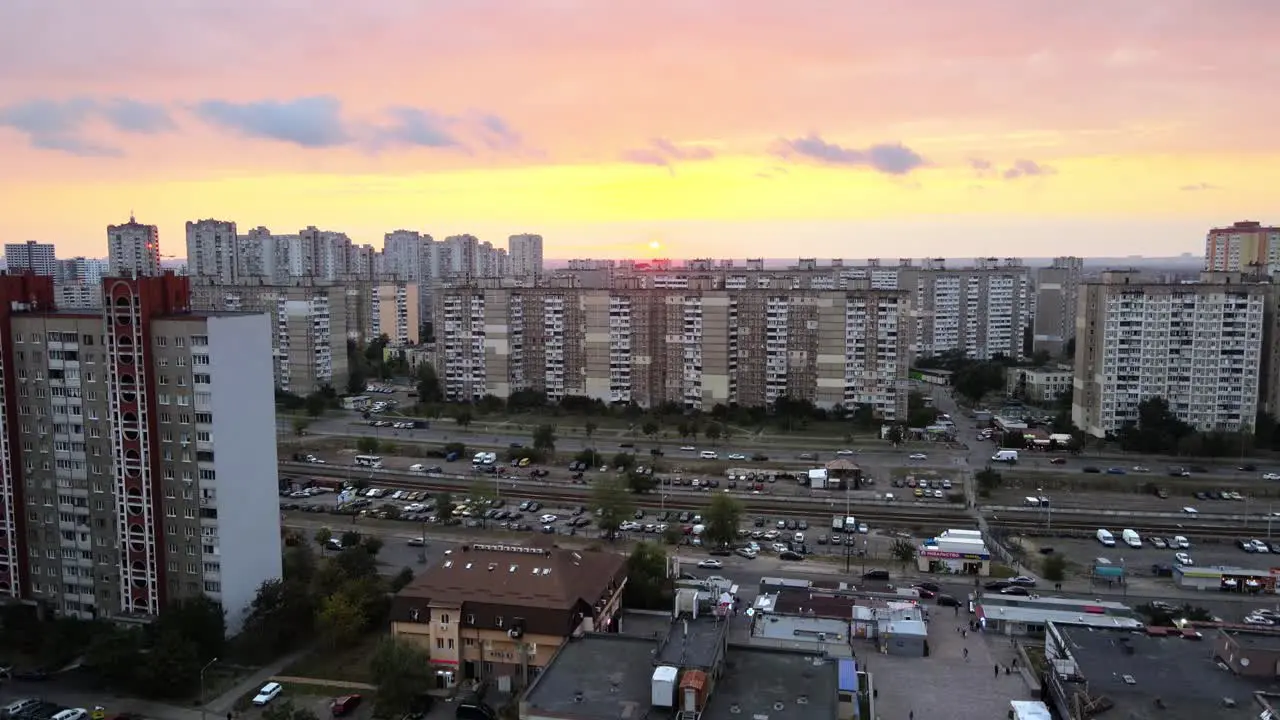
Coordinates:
x,y
515,632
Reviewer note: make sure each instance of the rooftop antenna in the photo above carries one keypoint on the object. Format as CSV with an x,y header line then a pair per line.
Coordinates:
x,y
131,217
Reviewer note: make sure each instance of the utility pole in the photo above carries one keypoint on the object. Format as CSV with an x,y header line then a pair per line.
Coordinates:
x,y
203,711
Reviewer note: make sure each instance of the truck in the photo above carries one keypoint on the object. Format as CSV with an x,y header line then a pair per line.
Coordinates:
x,y
1007,456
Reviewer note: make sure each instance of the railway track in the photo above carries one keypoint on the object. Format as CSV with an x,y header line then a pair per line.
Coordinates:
x,y
1079,528
885,516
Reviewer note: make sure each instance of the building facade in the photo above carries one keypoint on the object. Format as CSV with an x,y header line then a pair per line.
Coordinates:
x,y
694,346
31,257
524,255
393,312
139,451
133,249
213,250
1248,247
1057,291
1040,387
1198,345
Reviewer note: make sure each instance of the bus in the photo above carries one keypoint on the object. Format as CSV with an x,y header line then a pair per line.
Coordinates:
x,y
371,461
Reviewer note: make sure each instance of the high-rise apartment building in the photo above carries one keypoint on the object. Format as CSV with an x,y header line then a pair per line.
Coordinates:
x,y
31,257
264,255
524,255
405,254
133,249
393,311
1245,246
81,270
139,451
1197,345
1057,290
213,250
697,346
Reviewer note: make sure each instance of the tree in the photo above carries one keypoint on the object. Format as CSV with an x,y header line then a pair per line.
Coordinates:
x,y
171,668
648,587
612,504
286,710
623,460
904,551
1053,568
682,430
341,619
428,384
367,445
722,518
713,432
280,618
316,404
589,428
650,428
988,480
200,621
896,434
1158,430
975,379
640,483
323,536
444,506
300,426
544,438
401,670
401,580
463,418
372,544
350,539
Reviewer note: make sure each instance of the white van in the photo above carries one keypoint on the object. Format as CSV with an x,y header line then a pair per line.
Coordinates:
x,y
708,455
1131,538
1005,456
1106,538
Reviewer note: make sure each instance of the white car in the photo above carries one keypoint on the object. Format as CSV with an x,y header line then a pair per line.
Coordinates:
x,y
417,468
917,456
737,456
1183,559
688,448
844,452
268,693
863,529
1258,620
1271,476
1190,510
547,519
711,564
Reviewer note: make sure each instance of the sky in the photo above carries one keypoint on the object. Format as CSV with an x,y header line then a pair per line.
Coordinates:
x,y
725,128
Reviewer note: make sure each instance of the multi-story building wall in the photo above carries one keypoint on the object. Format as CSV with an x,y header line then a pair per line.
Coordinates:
x,y
78,295
696,346
1039,386
524,255
1246,246
213,250
1057,289
309,327
1198,345
265,255
393,312
134,443
81,270
31,257
133,249
404,255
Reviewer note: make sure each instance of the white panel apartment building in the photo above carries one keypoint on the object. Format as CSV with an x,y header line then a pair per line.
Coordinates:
x,y
31,256
393,311
1199,346
524,255
133,249
213,250
694,346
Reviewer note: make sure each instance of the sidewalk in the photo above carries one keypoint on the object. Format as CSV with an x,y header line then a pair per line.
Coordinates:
x,y
325,683
223,704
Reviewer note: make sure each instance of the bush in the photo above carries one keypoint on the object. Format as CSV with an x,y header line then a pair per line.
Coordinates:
x,y
1053,568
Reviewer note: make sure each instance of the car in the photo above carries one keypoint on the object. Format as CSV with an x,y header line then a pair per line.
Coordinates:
x,y
790,555
747,553
1271,476
1115,471
710,564
844,452
875,575
1091,470
1058,461
1015,590
1245,545
688,448
737,456
1183,559
917,456
1141,469
863,529
996,585
269,692
947,601
925,593
417,542
1258,620
1159,542
344,705
547,519
1190,510
1023,581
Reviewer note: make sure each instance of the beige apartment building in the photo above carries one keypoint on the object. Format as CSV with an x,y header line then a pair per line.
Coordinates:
x,y
1198,345
135,441
1057,292
1248,247
697,346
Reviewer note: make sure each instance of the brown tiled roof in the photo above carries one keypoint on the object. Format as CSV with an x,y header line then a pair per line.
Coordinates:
x,y
518,576
800,602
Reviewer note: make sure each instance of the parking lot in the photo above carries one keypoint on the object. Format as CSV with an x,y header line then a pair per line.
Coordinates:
x,y
1081,554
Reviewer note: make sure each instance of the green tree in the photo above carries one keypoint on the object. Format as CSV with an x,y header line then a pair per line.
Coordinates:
x,y
200,620
896,434
612,505
589,428
171,667
280,618
640,483
623,460
682,430
367,445
988,481
340,620
722,518
300,426
350,539
1053,568
650,429
428,384
463,418
322,537
544,438
975,379
713,432
372,544
402,670
444,506
401,580
648,587
904,551
316,404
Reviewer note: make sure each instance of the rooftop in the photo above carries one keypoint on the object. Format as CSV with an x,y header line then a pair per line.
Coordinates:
x,y
1054,603
804,602
1068,617
693,642
592,677
777,684
518,575
1255,639
802,633
1179,673
647,624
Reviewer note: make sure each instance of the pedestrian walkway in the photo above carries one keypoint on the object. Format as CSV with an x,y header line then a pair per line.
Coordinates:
x,y
225,702
321,681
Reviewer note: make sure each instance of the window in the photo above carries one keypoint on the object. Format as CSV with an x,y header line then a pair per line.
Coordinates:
x,y
497,622
439,643
450,643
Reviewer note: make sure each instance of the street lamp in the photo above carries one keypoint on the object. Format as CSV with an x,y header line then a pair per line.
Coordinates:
x,y
1044,501
202,671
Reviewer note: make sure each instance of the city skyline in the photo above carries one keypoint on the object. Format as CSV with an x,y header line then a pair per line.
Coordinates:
x,y
993,129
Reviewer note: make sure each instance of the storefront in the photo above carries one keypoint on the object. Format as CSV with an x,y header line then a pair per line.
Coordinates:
x,y
948,561
1225,579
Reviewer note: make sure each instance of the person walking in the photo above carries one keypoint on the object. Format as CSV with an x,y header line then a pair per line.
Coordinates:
x,y
997,670
966,653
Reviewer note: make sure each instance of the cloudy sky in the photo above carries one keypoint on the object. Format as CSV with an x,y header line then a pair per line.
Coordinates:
x,y
832,128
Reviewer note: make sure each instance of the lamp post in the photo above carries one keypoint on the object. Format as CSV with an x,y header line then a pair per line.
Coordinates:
x,y
1044,501
202,671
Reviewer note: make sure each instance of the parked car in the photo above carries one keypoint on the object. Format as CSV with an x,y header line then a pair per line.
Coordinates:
x,y
269,692
875,575
344,705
